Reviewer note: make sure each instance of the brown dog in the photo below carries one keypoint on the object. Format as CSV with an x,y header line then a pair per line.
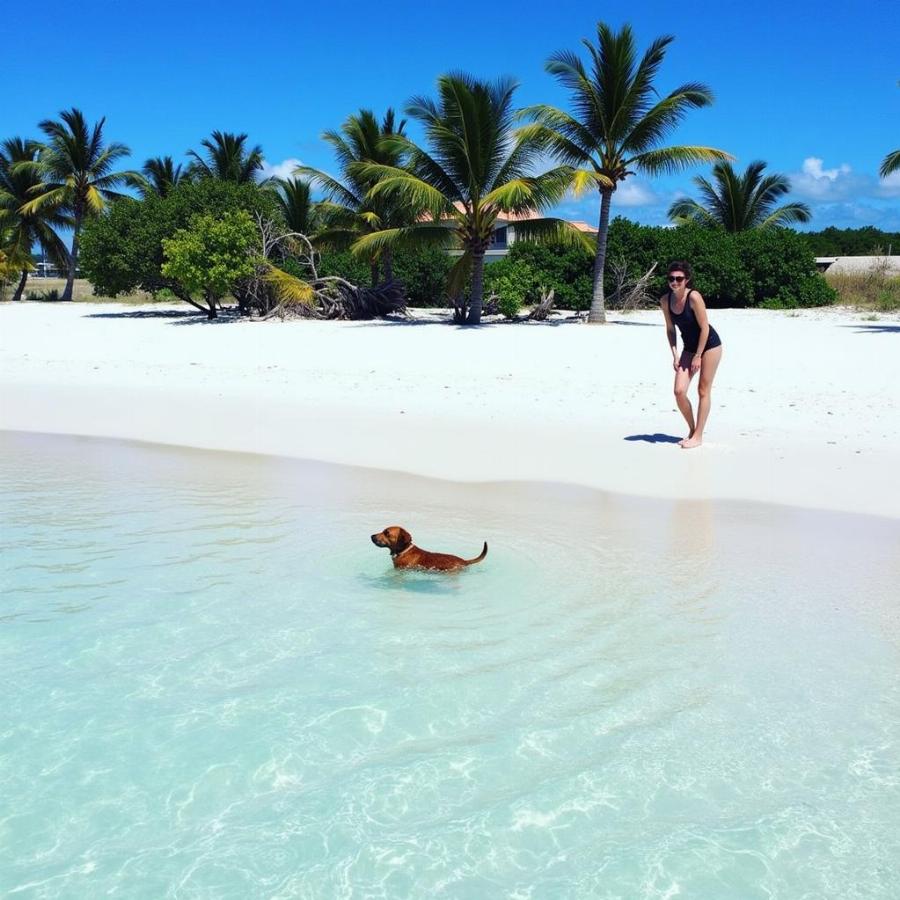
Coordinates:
x,y
406,555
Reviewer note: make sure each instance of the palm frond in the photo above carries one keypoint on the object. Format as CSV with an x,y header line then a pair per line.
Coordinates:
x,y
553,231
295,201
664,117
670,160
890,165
459,274
48,198
414,235
685,211
288,289
736,201
405,186
160,175
534,193
552,140
227,158
788,214
330,186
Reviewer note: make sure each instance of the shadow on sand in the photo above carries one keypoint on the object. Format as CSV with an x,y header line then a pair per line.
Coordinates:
x,y
177,316
859,328
654,438
227,316
448,321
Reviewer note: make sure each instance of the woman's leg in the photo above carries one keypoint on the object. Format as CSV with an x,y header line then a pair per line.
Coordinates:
x,y
682,382
708,368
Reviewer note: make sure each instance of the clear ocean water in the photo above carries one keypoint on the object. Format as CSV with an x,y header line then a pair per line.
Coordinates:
x,y
214,686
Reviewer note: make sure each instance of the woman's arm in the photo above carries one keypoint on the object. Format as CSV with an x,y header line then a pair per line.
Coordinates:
x,y
699,308
670,329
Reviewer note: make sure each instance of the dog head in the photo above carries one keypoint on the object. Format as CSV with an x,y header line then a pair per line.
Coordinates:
x,y
395,538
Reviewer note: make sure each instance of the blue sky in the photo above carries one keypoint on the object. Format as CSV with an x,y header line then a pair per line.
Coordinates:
x,y
810,88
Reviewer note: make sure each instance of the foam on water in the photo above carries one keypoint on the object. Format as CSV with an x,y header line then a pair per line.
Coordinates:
x,y
215,686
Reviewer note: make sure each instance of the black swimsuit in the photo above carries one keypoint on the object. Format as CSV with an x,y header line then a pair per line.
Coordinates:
x,y
690,328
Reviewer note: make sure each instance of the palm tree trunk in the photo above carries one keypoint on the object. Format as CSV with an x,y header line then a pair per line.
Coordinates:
x,y
21,287
387,260
598,308
73,257
477,296
373,268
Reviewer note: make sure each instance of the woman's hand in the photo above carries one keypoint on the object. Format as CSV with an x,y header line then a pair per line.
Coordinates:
x,y
676,359
695,364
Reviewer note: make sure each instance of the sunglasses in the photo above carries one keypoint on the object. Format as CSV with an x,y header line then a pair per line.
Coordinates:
x,y
676,278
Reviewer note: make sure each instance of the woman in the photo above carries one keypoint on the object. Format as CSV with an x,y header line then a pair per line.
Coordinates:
x,y
702,348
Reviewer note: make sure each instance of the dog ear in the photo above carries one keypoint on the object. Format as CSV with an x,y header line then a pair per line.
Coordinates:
x,y
404,539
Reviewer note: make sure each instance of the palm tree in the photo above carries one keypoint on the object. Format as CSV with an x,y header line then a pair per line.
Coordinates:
x,y
23,231
75,167
227,158
618,122
739,202
295,201
891,164
349,211
160,175
477,169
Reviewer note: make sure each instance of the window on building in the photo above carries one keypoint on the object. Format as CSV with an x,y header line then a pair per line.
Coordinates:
x,y
498,239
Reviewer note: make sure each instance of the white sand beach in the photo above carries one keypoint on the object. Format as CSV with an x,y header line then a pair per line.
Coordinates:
x,y
806,409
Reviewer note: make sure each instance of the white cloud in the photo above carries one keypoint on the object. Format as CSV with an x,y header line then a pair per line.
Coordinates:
x,y
812,166
840,184
284,169
635,193
815,182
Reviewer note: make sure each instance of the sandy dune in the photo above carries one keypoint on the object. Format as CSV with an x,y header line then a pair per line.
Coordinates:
x,y
806,407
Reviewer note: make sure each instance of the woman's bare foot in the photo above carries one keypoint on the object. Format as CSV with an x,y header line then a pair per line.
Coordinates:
x,y
690,443
690,435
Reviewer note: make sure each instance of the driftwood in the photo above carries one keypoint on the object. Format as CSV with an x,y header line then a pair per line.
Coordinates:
x,y
319,297
491,305
342,300
631,293
545,308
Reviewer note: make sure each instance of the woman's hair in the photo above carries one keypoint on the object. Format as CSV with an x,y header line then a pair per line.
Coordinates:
x,y
682,266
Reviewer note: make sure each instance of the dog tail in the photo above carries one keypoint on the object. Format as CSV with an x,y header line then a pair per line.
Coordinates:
x,y
479,558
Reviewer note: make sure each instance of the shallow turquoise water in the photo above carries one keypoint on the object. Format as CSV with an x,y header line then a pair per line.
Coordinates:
x,y
215,686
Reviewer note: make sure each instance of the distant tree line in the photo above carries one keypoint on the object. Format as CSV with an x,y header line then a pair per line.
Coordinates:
x,y
867,241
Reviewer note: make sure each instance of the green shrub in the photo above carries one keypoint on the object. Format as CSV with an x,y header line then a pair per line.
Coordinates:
x,y
774,266
513,281
122,250
424,274
889,297
566,270
343,264
211,255
782,269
